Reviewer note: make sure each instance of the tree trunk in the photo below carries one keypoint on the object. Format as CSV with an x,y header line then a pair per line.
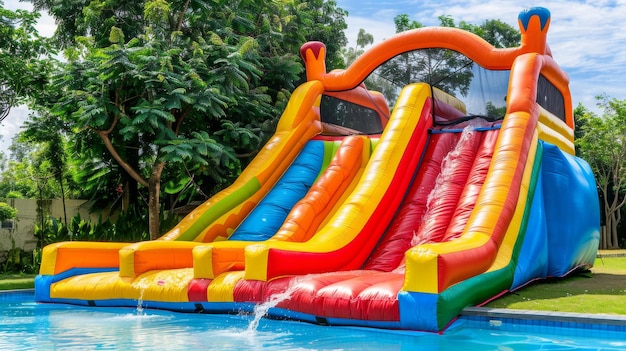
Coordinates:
x,y
154,190
608,233
614,239
63,201
606,230
129,191
612,235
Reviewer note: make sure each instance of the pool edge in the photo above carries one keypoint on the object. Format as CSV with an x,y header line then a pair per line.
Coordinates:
x,y
579,319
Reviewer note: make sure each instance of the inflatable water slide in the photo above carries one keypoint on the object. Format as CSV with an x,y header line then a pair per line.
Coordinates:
x,y
358,214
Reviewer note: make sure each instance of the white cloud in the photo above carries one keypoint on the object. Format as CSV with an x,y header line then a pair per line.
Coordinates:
x,y
10,126
380,31
587,38
45,25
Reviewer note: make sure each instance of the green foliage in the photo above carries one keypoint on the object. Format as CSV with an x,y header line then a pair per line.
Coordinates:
x,y
6,211
155,86
404,23
494,31
157,10
129,226
23,58
321,20
20,261
363,39
51,136
445,69
96,17
602,143
41,170
15,179
181,89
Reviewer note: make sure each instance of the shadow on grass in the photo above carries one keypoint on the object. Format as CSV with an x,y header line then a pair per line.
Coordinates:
x,y
581,293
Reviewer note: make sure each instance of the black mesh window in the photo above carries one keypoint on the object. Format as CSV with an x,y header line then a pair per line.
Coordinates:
x,y
550,98
349,115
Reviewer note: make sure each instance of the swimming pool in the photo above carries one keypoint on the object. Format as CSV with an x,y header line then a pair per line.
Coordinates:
x,y
26,325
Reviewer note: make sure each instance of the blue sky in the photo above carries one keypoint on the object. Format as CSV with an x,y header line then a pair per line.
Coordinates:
x,y
587,38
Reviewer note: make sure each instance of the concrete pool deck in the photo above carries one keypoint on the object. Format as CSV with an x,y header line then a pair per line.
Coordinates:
x,y
551,318
611,253
548,316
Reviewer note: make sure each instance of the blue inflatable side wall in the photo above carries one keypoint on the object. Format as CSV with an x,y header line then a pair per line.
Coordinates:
x,y
564,228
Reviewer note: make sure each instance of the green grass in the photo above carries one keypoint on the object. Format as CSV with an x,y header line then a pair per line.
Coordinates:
x,y
614,265
17,281
603,290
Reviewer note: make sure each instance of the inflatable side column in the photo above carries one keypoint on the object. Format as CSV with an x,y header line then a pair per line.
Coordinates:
x,y
534,24
314,55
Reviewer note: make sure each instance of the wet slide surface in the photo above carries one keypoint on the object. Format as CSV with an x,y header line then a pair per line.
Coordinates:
x,y
435,209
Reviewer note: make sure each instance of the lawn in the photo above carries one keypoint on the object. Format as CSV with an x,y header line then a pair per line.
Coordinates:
x,y
602,290
17,281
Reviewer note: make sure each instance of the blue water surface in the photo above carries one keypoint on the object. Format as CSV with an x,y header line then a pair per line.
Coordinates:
x,y
26,325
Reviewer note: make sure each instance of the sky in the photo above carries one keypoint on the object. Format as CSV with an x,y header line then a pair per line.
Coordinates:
x,y
587,38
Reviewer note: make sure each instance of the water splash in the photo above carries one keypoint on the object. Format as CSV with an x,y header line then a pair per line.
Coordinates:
x,y
142,285
261,310
445,175
139,310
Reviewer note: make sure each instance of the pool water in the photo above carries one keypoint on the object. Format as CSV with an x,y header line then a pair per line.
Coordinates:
x,y
26,325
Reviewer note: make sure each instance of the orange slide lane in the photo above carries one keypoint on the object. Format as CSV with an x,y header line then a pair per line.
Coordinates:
x,y
321,201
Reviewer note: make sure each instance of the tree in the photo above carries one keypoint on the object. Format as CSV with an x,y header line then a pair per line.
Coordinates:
x,y
494,31
30,172
323,21
95,18
186,88
26,64
375,81
144,93
3,159
446,69
24,73
363,39
602,143
6,212
47,135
